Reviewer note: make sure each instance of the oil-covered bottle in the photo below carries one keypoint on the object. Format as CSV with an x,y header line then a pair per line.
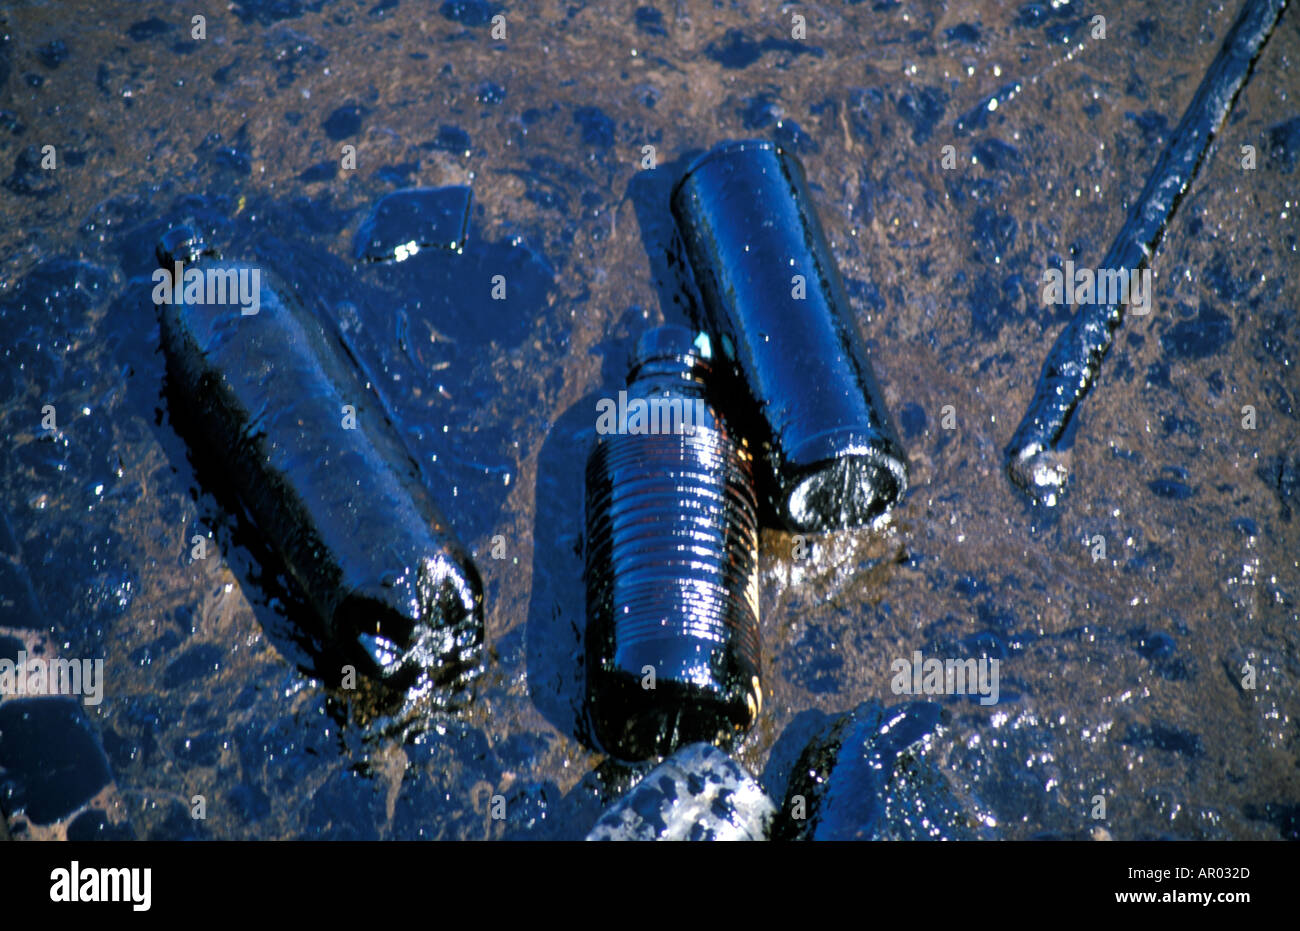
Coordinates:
x,y
671,560
774,299
264,390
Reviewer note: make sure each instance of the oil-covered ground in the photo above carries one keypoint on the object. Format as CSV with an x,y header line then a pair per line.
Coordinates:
x,y
1122,665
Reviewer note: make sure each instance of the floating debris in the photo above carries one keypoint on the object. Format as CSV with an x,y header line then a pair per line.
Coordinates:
x,y
269,396
699,793
1037,456
406,221
672,560
776,301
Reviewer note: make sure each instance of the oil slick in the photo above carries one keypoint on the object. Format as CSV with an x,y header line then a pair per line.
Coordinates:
x,y
873,774
403,223
55,779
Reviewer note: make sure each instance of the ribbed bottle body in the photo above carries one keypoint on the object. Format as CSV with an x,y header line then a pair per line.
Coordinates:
x,y
672,577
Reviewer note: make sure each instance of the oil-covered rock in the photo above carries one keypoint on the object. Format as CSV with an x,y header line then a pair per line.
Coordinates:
x,y
699,793
872,776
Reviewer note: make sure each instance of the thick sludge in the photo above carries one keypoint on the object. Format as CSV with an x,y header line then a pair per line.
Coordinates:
x,y
1127,659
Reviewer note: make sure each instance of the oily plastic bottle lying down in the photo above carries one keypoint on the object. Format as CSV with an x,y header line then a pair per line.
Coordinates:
x,y
271,399
774,300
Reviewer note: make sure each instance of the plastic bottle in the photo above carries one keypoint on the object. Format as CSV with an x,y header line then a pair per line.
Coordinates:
x,y
271,399
672,561
776,303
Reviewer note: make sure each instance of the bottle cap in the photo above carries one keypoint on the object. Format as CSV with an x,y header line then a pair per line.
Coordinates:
x,y
181,244
677,345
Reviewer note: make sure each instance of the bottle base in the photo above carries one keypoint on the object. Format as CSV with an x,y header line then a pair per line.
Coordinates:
x,y
844,492
632,723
